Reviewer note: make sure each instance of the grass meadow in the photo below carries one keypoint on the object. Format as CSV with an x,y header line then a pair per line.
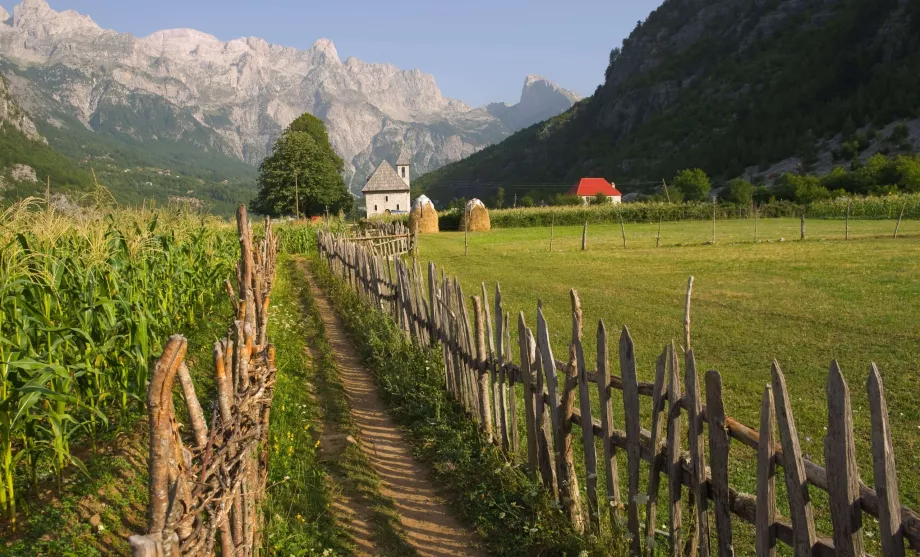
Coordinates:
x,y
802,303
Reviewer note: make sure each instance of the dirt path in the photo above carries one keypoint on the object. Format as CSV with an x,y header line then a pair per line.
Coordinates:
x,y
428,524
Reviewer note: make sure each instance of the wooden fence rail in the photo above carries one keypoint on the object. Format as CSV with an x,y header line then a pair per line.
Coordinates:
x,y
208,488
481,376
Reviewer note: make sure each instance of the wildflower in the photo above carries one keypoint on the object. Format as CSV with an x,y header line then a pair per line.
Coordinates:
x,y
501,515
583,553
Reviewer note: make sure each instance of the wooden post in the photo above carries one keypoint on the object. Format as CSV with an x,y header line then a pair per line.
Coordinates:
x,y
658,403
528,357
658,238
584,404
485,408
802,237
297,198
584,237
466,235
765,534
803,524
607,427
713,241
847,223
552,231
694,407
666,194
622,228
718,456
675,470
687,314
756,214
840,457
885,475
632,417
898,226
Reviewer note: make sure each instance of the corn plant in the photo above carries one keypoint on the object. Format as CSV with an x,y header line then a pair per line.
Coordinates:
x,y
85,301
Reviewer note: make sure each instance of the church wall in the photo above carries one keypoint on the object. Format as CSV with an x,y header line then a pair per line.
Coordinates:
x,y
378,202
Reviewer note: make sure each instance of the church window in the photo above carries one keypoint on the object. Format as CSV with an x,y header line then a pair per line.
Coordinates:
x,y
375,207
386,197
397,206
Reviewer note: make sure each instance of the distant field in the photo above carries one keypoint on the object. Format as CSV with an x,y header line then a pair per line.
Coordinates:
x,y
803,303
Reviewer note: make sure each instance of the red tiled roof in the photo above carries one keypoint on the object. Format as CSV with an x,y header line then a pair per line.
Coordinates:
x,y
593,186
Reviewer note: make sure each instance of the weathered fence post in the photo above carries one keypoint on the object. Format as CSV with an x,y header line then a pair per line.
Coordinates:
x,y
884,472
584,237
485,408
622,228
898,226
802,236
840,459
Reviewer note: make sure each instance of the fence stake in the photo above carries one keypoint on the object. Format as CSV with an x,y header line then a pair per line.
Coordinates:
x,y
658,402
485,408
694,407
718,456
840,457
713,222
466,234
631,415
687,314
898,226
803,525
552,231
584,404
847,225
606,409
543,425
584,237
802,237
765,534
527,360
622,227
675,470
884,471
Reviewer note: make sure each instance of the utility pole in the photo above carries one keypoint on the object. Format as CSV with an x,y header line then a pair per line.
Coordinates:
x,y
515,200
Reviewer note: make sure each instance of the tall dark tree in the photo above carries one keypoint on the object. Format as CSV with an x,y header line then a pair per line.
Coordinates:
x,y
302,167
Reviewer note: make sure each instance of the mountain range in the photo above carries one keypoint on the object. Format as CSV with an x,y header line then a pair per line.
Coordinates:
x,y
179,97
735,87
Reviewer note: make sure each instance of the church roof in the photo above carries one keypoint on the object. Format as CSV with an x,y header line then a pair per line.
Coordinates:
x,y
385,178
403,159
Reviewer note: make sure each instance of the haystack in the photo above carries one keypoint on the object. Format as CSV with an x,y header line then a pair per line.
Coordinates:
x,y
424,216
479,217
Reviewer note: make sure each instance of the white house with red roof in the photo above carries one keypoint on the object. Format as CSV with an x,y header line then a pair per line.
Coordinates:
x,y
587,188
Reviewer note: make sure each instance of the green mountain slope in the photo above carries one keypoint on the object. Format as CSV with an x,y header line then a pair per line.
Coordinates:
x,y
719,85
140,146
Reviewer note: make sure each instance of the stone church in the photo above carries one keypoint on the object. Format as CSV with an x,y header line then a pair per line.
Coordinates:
x,y
387,190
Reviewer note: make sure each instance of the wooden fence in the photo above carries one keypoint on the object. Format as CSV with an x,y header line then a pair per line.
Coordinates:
x,y
208,486
482,377
386,239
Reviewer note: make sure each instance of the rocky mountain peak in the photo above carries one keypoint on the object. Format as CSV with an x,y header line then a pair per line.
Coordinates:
x,y
38,20
324,52
540,99
4,15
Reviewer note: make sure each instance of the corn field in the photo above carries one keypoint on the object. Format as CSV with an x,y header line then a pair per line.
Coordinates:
x,y
85,301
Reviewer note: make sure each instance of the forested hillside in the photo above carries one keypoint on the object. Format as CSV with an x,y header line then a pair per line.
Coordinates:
x,y
721,85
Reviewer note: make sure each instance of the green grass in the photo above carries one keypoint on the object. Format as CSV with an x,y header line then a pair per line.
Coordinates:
x,y
803,303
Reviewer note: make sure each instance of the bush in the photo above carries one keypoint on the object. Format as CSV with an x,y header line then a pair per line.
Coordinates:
x,y
693,183
526,201
565,200
739,191
600,199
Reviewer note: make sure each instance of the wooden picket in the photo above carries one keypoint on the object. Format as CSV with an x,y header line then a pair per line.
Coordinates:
x,y
481,376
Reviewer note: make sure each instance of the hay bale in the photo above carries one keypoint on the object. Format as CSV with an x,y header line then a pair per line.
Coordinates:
x,y
424,215
479,217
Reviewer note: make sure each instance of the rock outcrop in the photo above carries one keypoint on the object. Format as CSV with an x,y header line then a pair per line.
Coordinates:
x,y
13,115
541,99
236,96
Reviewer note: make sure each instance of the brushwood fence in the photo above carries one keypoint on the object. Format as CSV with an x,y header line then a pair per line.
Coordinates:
x,y
208,487
387,239
481,375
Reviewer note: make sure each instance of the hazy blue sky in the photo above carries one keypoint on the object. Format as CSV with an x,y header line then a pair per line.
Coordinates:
x,y
479,51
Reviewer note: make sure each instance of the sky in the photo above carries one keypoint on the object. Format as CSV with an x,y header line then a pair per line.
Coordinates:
x,y
479,51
